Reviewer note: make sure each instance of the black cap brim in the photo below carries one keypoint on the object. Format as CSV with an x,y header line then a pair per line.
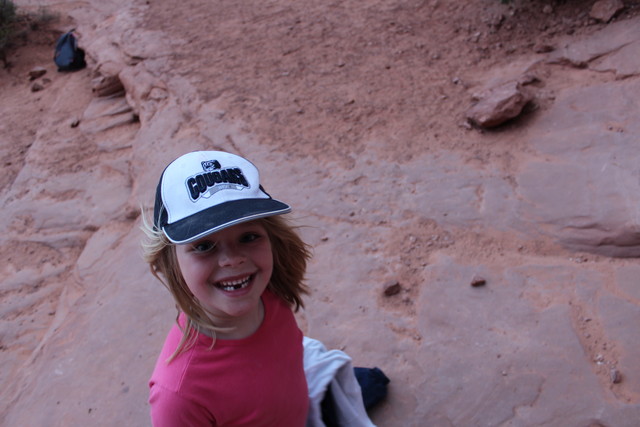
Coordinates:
x,y
221,216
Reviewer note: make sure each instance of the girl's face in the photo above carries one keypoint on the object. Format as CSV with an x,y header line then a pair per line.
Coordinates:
x,y
228,271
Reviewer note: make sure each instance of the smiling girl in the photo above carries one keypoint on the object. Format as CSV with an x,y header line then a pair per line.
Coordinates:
x,y
235,269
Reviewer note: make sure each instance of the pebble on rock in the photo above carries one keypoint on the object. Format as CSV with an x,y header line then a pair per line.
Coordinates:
x,y
616,376
543,48
478,281
391,288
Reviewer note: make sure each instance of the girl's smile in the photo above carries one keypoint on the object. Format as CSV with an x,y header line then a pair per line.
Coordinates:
x,y
227,272
234,285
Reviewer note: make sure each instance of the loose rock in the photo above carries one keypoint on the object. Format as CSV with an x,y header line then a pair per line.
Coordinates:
x,y
604,10
478,281
543,48
391,288
616,376
498,104
36,87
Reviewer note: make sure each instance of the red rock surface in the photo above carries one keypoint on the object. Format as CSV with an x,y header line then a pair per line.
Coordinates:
x,y
355,114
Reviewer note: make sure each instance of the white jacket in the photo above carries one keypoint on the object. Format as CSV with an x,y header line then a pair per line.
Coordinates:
x,y
323,367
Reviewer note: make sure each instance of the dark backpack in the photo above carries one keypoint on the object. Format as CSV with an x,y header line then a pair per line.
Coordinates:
x,y
68,56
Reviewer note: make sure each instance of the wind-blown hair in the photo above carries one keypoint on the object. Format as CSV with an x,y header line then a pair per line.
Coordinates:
x,y
290,257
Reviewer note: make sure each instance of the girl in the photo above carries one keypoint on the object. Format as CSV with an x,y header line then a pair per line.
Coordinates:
x,y
235,269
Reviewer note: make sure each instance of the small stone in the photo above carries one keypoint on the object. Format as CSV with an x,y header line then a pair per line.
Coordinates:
x,y
478,281
605,10
36,87
543,48
391,288
475,38
616,376
74,123
36,72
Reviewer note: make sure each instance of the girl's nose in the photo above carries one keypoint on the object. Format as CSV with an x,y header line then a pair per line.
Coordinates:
x,y
230,257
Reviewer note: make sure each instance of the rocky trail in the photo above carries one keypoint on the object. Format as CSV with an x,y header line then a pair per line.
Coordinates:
x,y
491,272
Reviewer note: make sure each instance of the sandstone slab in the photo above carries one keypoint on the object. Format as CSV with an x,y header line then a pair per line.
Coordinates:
x,y
586,190
602,43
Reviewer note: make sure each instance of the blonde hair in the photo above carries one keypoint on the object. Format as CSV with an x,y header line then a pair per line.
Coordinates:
x,y
290,257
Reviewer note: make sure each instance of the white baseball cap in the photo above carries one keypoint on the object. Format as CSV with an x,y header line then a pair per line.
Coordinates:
x,y
202,192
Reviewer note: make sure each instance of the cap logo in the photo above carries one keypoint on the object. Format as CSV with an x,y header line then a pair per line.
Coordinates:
x,y
214,179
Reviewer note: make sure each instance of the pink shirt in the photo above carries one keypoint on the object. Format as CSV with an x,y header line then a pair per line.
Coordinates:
x,y
255,381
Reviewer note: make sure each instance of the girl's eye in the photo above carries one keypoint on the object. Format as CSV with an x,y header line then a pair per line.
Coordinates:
x,y
250,237
201,247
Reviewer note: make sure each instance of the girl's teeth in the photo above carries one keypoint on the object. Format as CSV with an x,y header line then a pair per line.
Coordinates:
x,y
234,285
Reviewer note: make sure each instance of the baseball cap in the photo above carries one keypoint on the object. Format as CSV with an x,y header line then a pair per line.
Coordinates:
x,y
202,192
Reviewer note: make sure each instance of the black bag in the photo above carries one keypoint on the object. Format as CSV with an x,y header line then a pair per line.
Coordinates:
x,y
68,56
